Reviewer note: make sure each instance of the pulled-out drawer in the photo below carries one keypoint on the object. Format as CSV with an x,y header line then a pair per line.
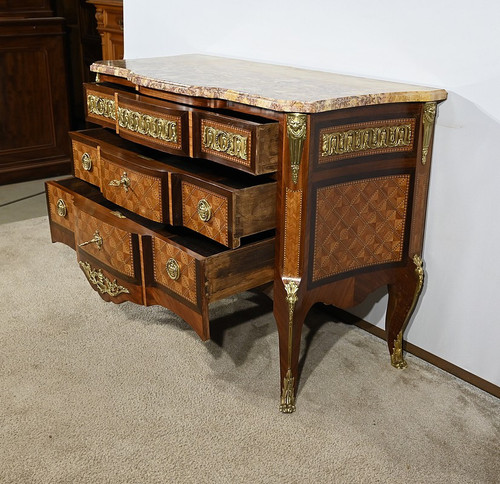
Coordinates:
x,y
86,158
100,105
107,248
128,258
247,143
217,202
224,210
60,207
140,188
187,274
154,123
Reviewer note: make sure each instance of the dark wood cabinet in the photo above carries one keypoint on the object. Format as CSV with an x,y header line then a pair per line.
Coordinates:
x,y
34,105
83,47
46,48
25,8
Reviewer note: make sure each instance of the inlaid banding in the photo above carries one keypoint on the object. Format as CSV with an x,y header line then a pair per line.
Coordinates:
x,y
348,141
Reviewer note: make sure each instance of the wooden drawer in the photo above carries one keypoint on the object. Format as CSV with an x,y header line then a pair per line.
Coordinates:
x,y
217,202
225,210
60,205
61,196
186,273
138,187
124,175
127,258
249,144
154,123
100,106
245,142
108,252
86,158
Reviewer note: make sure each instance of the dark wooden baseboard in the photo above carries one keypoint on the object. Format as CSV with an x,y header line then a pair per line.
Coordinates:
x,y
454,370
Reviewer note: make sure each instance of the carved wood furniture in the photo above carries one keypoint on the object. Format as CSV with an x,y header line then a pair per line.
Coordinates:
x,y
109,16
34,119
223,175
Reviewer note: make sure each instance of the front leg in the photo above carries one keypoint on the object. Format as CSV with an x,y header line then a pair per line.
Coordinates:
x,y
403,296
290,313
289,308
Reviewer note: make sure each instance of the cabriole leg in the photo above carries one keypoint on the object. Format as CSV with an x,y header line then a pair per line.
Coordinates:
x,y
403,296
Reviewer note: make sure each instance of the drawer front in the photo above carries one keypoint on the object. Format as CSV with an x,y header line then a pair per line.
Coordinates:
x,y
86,161
175,269
158,124
107,243
100,105
133,190
61,208
206,212
246,145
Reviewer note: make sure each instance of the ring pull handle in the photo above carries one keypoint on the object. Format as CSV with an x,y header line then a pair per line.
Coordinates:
x,y
61,208
204,210
97,240
173,269
86,162
124,182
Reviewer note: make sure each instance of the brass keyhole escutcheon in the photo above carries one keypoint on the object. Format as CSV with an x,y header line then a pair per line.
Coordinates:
x,y
173,269
124,182
204,210
61,208
96,239
86,162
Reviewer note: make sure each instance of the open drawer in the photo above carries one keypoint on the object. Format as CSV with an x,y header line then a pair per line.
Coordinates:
x,y
220,203
128,258
246,142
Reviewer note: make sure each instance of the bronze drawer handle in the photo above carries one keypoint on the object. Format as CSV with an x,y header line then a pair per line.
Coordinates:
x,y
124,182
204,210
86,162
61,208
173,269
97,239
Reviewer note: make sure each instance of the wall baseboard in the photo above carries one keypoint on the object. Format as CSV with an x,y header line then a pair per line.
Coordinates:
x,y
454,370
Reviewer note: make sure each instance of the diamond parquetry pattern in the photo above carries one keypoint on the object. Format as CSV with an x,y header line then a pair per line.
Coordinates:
x,y
359,224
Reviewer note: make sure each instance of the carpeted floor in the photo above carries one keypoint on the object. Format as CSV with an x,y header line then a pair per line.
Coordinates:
x,y
92,392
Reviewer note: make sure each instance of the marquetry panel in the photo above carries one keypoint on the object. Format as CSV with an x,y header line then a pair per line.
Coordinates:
x,y
226,141
86,162
116,249
217,227
359,224
142,194
62,214
361,139
293,221
185,284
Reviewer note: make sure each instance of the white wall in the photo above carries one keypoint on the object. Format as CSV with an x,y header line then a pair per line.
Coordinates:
x,y
450,44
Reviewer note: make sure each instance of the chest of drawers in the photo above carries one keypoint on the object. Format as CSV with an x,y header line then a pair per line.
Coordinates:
x,y
212,176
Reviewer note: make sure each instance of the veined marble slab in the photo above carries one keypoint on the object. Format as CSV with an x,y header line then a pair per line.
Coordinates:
x,y
269,86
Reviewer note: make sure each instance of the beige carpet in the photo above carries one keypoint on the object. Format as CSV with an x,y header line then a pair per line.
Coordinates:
x,y
92,392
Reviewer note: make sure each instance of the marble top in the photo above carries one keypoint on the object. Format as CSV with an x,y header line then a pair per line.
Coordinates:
x,y
268,86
